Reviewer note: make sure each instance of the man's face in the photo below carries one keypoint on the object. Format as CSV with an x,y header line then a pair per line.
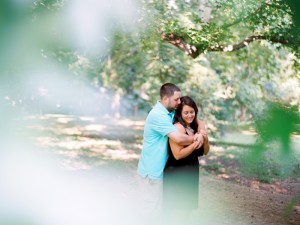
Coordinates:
x,y
174,101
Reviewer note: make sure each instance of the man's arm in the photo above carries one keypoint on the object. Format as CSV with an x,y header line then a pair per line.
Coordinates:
x,y
180,151
180,138
184,139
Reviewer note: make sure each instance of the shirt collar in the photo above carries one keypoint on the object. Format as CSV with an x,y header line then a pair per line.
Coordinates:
x,y
164,108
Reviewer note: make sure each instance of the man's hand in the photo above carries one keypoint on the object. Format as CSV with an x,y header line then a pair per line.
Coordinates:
x,y
198,138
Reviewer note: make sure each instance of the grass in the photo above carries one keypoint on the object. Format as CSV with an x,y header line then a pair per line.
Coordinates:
x,y
267,165
215,167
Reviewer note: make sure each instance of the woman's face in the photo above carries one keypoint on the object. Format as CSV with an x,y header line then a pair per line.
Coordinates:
x,y
188,114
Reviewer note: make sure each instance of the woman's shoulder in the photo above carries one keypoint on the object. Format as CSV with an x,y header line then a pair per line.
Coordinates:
x,y
200,121
180,127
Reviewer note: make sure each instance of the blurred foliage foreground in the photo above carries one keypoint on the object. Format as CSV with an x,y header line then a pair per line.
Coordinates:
x,y
79,60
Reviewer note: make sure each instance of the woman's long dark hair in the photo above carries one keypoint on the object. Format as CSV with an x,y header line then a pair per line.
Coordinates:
x,y
186,100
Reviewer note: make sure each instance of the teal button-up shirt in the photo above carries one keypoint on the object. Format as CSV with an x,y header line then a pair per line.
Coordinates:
x,y
154,155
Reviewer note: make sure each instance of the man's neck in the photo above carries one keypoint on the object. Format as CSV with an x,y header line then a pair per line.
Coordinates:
x,y
164,105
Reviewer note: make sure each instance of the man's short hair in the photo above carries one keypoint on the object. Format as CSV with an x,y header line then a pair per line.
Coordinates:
x,y
168,90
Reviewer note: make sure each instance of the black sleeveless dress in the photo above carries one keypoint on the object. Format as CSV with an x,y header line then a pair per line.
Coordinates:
x,y
181,182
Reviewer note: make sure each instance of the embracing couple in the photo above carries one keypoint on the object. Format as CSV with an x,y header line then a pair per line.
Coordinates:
x,y
173,140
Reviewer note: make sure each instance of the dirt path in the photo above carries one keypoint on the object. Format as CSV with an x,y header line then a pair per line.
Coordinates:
x,y
85,143
228,203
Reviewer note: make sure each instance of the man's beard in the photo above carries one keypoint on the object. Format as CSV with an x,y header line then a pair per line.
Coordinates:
x,y
170,109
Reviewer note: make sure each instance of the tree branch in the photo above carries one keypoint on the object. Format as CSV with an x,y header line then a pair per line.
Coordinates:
x,y
245,43
194,52
180,43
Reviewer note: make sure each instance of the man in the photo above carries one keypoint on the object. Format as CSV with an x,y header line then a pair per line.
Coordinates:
x,y
158,128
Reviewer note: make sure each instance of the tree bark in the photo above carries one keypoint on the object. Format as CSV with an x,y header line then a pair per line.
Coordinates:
x,y
180,43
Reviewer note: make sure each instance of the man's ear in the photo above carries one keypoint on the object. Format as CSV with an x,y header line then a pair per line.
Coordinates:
x,y
164,99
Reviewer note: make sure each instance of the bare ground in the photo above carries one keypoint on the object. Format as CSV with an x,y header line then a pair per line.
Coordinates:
x,y
226,196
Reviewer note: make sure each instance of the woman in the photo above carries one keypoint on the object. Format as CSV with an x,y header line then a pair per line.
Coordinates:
x,y
181,174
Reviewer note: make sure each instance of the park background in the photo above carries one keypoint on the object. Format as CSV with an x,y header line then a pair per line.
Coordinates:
x,y
77,79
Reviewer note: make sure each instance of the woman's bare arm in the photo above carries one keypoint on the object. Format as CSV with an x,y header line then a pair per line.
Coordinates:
x,y
201,127
202,130
206,145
